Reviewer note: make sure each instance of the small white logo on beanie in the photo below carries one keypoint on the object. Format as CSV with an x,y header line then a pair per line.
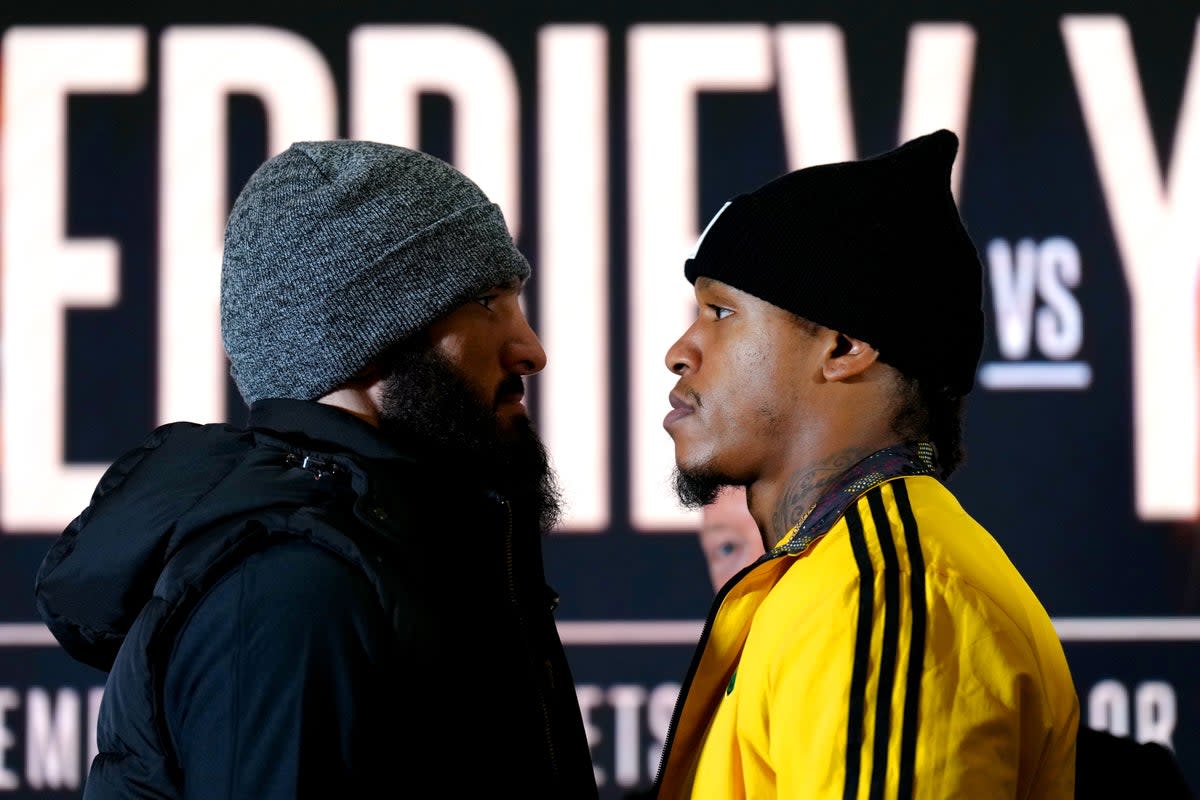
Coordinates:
x,y
707,228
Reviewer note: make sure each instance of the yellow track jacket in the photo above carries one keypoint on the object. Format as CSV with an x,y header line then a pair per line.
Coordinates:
x,y
892,651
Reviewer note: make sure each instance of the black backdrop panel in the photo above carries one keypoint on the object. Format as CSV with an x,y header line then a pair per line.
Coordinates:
x,y
1079,180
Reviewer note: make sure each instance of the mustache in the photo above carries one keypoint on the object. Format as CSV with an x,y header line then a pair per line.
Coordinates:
x,y
513,384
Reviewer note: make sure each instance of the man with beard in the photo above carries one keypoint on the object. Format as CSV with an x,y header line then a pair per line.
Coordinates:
x,y
346,597
884,646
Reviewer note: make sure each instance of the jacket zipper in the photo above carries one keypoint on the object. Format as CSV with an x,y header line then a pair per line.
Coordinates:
x,y
512,593
697,655
791,547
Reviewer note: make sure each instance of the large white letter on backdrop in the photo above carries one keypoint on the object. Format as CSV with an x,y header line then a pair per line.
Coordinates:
x,y
814,90
1155,225
937,85
201,67
572,270
44,272
392,65
669,65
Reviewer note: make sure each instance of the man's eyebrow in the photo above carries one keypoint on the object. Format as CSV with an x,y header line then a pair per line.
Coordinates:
x,y
511,284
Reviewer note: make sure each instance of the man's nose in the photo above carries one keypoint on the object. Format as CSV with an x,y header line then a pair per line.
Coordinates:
x,y
524,354
683,356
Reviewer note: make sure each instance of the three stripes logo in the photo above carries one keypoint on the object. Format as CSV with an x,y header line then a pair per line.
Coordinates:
x,y
892,589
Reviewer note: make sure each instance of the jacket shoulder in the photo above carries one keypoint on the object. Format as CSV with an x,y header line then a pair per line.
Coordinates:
x,y
119,542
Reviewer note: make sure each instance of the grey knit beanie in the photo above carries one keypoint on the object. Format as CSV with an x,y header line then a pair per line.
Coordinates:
x,y
336,250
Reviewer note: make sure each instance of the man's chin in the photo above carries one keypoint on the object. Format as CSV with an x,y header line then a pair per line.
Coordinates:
x,y
513,424
698,486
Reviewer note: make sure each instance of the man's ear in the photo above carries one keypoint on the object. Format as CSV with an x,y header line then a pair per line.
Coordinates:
x,y
848,358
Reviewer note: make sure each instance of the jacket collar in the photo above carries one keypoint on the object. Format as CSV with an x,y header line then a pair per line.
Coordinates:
x,y
325,426
913,458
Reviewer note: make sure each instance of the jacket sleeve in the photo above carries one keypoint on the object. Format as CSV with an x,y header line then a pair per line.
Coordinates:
x,y
282,680
854,713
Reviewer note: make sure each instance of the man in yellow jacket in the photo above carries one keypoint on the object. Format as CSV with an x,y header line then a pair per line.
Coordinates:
x,y
884,646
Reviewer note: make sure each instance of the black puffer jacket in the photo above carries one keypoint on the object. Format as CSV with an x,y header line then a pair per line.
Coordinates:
x,y
299,610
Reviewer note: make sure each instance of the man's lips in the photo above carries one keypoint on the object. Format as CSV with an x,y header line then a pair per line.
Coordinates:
x,y
511,392
679,409
512,398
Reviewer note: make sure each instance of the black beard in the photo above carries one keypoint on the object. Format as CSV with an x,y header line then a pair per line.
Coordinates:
x,y
698,487
428,402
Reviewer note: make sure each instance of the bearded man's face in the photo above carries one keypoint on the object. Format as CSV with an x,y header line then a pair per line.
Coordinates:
x,y
460,388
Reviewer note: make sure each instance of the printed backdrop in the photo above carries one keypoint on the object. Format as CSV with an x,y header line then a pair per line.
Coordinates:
x,y
610,133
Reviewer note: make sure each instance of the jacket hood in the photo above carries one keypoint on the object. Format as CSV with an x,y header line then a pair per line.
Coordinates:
x,y
102,571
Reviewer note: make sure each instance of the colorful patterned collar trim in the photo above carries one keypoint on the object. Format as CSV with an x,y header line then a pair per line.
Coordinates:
x,y
917,458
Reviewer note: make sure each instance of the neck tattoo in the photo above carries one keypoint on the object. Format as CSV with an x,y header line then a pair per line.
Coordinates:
x,y
804,488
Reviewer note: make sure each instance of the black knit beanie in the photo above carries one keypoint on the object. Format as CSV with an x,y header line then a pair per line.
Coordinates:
x,y
874,249
336,250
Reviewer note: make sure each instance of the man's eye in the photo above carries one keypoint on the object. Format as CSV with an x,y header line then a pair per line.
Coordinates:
x,y
719,312
487,300
725,549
